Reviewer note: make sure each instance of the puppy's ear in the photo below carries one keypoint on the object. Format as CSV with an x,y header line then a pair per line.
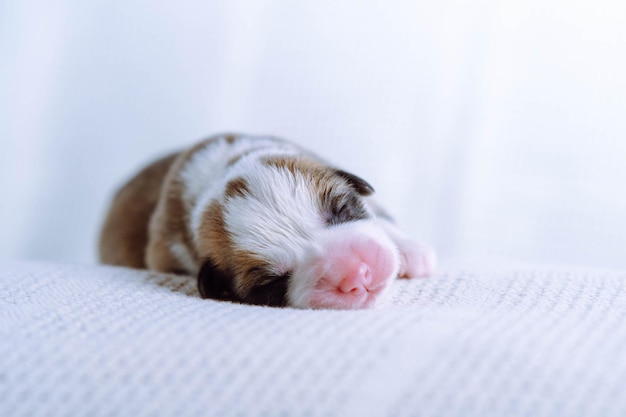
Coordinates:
x,y
214,283
359,184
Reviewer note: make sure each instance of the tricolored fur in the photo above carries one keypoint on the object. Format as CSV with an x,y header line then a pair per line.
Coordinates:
x,y
262,221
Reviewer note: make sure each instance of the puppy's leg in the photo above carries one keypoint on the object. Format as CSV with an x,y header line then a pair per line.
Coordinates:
x,y
417,259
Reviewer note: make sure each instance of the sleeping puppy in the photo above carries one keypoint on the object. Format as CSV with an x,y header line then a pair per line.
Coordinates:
x,y
259,220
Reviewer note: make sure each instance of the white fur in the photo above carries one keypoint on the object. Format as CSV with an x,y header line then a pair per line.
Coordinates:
x,y
207,172
204,167
280,221
182,255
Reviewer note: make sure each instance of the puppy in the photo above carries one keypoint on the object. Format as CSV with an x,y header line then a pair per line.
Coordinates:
x,y
259,220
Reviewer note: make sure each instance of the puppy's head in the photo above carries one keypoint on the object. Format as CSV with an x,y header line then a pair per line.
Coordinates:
x,y
292,231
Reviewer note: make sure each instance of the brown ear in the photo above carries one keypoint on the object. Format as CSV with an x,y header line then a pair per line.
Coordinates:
x,y
359,184
214,283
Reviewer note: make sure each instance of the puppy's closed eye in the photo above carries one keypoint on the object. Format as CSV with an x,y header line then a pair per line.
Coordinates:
x,y
343,209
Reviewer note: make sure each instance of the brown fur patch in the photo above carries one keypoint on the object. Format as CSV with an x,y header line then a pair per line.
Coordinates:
x,y
321,176
247,269
237,187
214,242
124,234
305,166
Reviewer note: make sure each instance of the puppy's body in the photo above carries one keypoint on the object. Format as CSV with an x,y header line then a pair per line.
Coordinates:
x,y
262,221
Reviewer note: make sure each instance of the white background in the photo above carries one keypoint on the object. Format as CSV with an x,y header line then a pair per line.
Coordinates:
x,y
494,130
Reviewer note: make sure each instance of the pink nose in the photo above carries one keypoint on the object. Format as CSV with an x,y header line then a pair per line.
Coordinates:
x,y
357,280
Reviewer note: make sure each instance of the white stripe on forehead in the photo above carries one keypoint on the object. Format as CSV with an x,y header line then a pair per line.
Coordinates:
x,y
208,171
280,221
209,163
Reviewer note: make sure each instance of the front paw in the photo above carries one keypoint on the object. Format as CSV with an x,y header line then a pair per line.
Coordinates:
x,y
417,260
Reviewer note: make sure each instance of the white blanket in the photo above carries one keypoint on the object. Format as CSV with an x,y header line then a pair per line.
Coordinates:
x,y
101,341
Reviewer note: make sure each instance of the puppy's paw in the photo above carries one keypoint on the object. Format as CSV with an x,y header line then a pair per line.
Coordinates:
x,y
417,260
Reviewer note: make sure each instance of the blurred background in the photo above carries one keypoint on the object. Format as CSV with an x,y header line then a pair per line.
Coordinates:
x,y
494,130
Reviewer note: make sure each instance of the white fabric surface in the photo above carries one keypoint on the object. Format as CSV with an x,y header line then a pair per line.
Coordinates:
x,y
102,341
492,129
